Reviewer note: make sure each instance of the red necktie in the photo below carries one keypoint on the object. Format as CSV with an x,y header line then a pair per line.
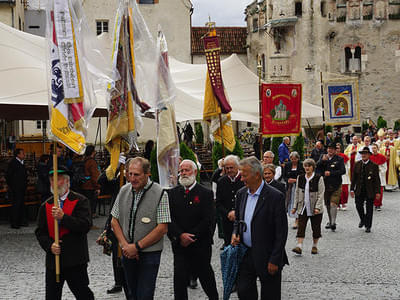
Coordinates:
x,y
187,191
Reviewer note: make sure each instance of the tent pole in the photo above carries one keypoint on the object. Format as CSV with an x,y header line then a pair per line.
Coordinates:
x,y
322,103
260,131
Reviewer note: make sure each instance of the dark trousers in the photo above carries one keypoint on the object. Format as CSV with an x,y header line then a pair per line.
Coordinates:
x,y
247,281
77,279
315,225
365,216
119,277
18,214
141,275
228,228
194,261
91,195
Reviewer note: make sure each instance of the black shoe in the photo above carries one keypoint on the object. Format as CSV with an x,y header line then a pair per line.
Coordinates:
x,y
328,225
361,224
333,227
368,229
115,289
193,284
14,226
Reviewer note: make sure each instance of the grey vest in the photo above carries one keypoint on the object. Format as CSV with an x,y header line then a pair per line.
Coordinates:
x,y
145,217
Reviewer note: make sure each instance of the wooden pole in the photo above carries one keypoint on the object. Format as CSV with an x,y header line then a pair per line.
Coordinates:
x,y
260,131
56,204
121,183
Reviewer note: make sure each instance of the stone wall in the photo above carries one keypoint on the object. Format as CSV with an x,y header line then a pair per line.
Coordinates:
x,y
316,43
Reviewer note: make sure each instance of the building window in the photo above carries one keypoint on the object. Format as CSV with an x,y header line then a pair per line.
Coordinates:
x,y
348,56
263,66
298,9
101,26
146,1
255,24
323,9
38,124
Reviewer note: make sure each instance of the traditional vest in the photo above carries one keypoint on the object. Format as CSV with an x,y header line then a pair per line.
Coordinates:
x,y
145,217
68,208
313,185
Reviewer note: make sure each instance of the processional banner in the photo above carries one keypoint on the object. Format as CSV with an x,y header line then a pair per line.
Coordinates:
x,y
281,109
341,102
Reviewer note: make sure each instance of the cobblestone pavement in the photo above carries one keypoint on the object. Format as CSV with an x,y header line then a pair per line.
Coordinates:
x,y
351,264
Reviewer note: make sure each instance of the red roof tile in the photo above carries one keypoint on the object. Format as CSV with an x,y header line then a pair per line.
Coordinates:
x,y
232,39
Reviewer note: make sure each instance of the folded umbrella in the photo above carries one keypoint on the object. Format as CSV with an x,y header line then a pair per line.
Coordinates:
x,y
231,258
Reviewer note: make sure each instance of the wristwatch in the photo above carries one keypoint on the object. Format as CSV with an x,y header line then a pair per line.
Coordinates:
x,y
138,247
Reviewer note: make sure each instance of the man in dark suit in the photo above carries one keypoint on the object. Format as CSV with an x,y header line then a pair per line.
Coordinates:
x,y
16,178
227,187
269,175
365,186
191,232
317,151
331,167
74,217
261,225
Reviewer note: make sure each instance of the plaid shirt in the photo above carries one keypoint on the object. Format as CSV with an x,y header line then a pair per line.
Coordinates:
x,y
163,214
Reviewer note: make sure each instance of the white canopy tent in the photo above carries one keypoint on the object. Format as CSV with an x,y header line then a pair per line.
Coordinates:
x,y
24,89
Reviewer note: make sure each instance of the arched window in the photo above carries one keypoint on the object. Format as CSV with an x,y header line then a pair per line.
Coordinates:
x,y
348,56
357,59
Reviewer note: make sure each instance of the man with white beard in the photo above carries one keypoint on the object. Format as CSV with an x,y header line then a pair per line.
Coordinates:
x,y
191,232
74,217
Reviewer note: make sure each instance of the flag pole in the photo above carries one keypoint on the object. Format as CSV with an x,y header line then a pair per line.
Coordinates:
x,y
56,204
322,103
260,131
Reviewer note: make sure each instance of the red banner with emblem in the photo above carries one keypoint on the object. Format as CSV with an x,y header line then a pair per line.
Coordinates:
x,y
281,109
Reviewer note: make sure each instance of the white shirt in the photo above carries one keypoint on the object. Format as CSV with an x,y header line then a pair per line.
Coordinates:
x,y
307,203
21,161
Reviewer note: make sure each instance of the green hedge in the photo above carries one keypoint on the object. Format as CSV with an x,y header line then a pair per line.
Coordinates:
x,y
217,152
381,122
199,133
276,141
298,146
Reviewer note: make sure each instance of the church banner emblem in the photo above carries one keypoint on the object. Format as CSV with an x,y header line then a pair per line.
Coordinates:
x,y
341,102
281,109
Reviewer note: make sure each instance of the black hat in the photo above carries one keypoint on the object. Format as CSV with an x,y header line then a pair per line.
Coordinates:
x,y
365,150
332,145
61,170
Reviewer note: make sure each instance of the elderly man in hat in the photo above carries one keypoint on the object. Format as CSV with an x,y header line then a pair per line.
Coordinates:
x,y
74,218
331,167
365,186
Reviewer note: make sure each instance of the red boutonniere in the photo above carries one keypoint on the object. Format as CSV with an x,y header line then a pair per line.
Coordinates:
x,y
196,200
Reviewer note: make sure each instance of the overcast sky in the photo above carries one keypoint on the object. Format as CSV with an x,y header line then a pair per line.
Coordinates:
x,y
223,12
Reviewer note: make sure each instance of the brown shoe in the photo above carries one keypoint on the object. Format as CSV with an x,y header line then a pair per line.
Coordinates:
x,y
297,250
314,250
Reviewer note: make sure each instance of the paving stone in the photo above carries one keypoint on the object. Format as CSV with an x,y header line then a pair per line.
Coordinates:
x,y
351,264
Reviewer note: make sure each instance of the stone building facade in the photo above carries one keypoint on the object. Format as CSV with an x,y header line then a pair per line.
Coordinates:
x,y
297,40
12,13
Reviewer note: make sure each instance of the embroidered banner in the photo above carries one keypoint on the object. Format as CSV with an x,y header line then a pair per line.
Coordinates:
x,y
341,102
281,109
212,50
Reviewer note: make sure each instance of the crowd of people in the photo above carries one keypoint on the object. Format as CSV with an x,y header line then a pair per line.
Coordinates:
x,y
250,199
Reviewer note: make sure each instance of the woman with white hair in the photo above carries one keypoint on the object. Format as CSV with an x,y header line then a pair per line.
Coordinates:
x,y
291,171
309,204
